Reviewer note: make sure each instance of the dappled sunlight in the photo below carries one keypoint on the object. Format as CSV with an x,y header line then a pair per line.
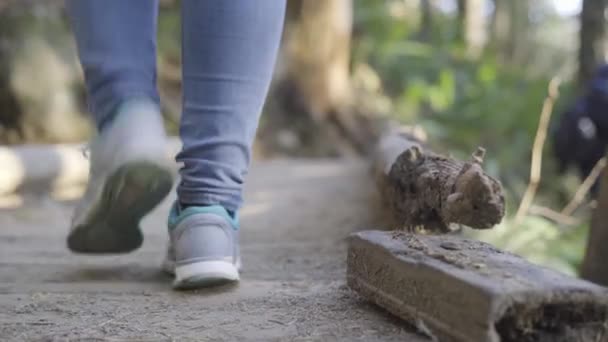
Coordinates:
x,y
59,170
12,171
41,167
11,201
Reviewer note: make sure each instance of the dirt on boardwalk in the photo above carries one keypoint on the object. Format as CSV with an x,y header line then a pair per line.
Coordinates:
x,y
293,288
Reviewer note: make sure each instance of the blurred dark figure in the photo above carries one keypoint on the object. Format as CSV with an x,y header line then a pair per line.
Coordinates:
x,y
581,135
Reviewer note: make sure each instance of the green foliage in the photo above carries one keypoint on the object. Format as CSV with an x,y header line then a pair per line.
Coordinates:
x,y
540,241
169,32
464,103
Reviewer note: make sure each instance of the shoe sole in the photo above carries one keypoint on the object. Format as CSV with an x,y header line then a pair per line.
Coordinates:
x,y
129,193
168,266
205,274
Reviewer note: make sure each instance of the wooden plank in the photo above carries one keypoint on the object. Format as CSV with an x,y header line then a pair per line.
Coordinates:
x,y
465,290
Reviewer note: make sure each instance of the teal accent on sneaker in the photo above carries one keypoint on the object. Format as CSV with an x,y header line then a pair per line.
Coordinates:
x,y
177,214
204,247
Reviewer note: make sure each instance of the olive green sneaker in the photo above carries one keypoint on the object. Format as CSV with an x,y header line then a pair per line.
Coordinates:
x,y
129,176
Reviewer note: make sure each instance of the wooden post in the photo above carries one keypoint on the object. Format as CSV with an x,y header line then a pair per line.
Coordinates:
x,y
594,266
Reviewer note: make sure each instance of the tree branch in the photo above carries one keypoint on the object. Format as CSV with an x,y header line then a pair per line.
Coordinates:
x,y
582,191
537,149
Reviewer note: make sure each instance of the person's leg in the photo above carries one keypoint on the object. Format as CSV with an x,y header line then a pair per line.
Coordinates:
x,y
129,172
229,52
116,43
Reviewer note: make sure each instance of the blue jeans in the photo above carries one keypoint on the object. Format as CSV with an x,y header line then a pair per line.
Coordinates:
x,y
228,55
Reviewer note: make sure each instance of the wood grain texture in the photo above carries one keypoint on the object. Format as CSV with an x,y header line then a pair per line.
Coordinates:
x,y
464,290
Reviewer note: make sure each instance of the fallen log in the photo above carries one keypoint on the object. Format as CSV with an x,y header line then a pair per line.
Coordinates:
x,y
451,288
421,189
468,291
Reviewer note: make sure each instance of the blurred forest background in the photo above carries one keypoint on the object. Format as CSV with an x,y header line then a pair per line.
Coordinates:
x,y
468,72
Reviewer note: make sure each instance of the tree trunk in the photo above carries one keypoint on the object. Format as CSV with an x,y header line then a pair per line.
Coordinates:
x,y
40,87
426,21
592,38
594,267
501,27
509,30
461,18
10,112
520,24
319,54
311,100
472,25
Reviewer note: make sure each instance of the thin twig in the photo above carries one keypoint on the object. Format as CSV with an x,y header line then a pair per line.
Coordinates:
x,y
554,216
582,190
537,149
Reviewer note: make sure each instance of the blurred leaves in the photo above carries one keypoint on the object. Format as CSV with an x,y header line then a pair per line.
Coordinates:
x,y
465,102
540,241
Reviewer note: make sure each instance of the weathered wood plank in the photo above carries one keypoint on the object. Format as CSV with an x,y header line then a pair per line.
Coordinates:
x,y
464,290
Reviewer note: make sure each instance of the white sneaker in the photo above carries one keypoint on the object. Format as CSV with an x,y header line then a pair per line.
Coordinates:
x,y
129,176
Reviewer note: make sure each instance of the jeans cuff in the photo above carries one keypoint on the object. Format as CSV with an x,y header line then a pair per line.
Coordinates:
x,y
230,202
